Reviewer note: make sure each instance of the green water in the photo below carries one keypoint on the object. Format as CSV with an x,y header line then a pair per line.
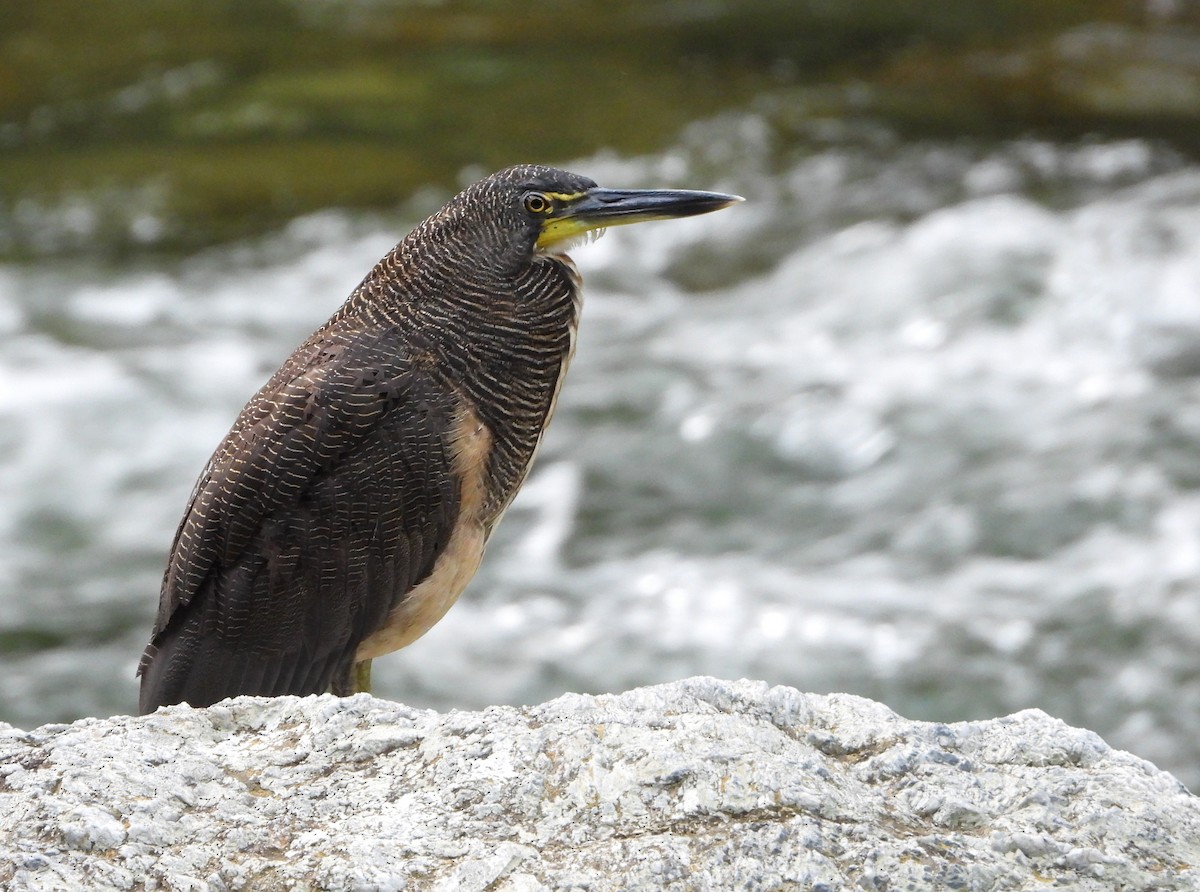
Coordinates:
x,y
160,125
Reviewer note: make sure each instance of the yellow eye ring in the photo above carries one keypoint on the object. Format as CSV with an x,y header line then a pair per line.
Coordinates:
x,y
537,203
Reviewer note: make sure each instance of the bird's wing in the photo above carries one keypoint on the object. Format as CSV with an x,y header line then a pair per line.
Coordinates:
x,y
328,500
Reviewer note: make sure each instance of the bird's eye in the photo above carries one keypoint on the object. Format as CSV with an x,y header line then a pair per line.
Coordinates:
x,y
536,202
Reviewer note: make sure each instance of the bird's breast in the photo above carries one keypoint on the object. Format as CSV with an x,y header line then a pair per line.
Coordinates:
x,y
505,401
419,610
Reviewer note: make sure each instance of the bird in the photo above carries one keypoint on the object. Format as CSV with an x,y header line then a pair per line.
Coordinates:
x,y
349,504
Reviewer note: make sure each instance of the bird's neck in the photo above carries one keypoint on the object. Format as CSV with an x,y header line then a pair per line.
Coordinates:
x,y
501,338
518,349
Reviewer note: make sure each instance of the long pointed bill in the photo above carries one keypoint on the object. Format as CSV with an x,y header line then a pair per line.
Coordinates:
x,y
599,208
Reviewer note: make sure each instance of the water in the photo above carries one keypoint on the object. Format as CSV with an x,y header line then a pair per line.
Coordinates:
x,y
918,421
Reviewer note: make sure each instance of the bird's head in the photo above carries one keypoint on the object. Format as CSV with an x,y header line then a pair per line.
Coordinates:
x,y
535,210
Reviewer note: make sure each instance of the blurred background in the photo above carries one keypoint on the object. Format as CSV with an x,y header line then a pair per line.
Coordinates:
x,y
920,420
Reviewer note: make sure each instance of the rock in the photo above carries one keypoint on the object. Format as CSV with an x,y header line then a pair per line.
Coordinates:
x,y
700,784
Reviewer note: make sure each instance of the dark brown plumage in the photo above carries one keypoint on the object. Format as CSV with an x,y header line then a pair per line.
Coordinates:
x,y
349,504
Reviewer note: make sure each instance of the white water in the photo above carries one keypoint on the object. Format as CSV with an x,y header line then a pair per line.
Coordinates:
x,y
920,422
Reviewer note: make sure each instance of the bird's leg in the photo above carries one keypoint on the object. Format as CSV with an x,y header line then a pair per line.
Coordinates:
x,y
352,678
362,677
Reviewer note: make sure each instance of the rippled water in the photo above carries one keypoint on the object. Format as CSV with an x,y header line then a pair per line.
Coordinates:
x,y
917,421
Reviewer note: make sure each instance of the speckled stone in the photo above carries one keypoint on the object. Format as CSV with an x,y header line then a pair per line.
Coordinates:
x,y
700,784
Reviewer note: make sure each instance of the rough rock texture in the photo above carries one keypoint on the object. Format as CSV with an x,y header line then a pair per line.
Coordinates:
x,y
701,784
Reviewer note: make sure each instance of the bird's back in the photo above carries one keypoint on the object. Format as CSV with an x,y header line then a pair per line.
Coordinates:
x,y
331,496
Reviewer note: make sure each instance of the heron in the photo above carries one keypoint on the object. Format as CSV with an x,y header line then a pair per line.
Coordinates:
x,y
349,505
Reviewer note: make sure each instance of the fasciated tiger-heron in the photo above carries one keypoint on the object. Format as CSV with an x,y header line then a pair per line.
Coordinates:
x,y
349,505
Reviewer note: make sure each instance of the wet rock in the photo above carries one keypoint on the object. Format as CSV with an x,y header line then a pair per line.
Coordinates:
x,y
697,784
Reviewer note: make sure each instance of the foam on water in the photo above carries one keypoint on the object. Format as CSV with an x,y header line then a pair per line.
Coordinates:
x,y
917,421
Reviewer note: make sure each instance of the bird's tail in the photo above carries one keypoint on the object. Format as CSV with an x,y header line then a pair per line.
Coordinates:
x,y
184,666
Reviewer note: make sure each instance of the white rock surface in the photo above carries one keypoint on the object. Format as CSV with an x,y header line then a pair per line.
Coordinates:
x,y
700,784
